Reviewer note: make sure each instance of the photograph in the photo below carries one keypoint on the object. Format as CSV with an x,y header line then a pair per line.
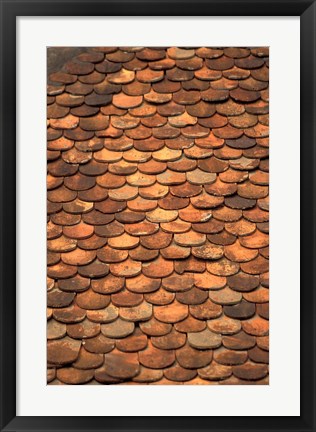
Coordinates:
x,y
158,215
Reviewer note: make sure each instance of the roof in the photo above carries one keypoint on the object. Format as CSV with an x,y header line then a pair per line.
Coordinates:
x,y
158,219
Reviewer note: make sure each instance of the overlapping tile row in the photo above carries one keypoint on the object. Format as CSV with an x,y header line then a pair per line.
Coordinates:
x,y
158,223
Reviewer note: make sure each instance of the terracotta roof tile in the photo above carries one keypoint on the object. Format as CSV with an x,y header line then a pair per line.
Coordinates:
x,y
158,227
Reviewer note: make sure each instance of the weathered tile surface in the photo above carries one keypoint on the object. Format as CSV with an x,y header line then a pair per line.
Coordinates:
x,y
158,217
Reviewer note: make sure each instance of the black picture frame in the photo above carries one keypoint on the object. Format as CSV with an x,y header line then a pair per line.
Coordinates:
x,y
11,9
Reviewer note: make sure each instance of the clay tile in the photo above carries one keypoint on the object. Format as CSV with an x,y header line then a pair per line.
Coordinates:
x,y
259,295
160,297
57,298
220,189
207,52
171,313
77,206
121,365
239,341
228,132
244,121
171,202
55,330
53,134
63,351
55,111
223,267
263,203
53,90
263,342
190,324
253,84
166,132
183,164
79,182
191,358
172,340
109,255
197,152
256,326
78,231
117,329
140,132
239,253
225,296
135,342
174,251
123,193
204,339
211,141
180,54
107,285
190,264
178,374
230,357
63,77
224,84
127,268
61,194
177,74
155,328
93,168
142,284
161,215
164,64
144,110
191,214
236,52
171,178
190,238
216,233
170,109
95,99
95,269
261,74
237,202
142,229
224,325
256,266
61,143
177,283
250,62
220,64
177,226
156,241
147,375
206,201
150,54
256,215
106,315
213,165
215,372
155,358
149,76
243,282
256,240
192,297
182,120
92,78
130,217
141,204
78,257
241,227
212,95
158,268
191,64
155,191
75,284
142,254
124,101
250,371
87,360
208,251
258,131
206,74
236,73
120,56
142,312
206,310
134,155
84,329
184,97
242,95
243,310
201,109
121,77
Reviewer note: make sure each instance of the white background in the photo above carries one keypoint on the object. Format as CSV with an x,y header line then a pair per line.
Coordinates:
x,y
281,397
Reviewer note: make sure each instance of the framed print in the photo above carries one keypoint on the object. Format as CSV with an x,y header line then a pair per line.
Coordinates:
x,y
169,215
